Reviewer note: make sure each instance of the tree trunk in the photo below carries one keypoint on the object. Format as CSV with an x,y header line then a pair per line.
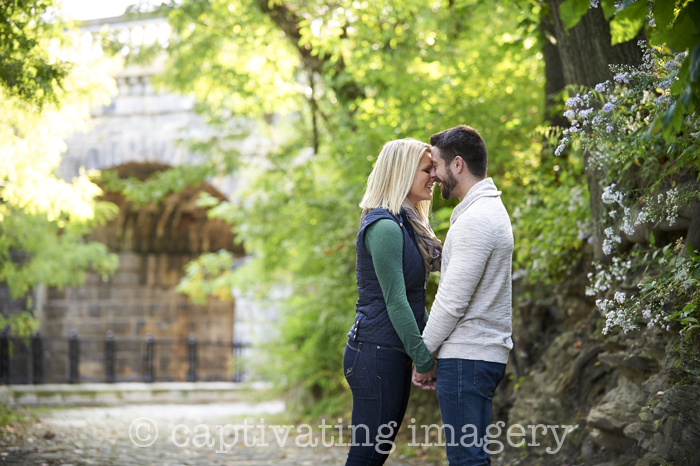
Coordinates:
x,y
585,49
553,73
586,53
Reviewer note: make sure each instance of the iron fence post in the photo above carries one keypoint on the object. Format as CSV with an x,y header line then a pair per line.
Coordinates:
x,y
192,358
109,357
237,361
4,356
74,357
148,375
37,349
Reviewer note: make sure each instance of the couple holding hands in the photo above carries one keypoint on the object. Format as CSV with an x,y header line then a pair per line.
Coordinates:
x,y
462,350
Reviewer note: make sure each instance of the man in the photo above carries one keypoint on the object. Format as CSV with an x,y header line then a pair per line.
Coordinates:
x,y
469,330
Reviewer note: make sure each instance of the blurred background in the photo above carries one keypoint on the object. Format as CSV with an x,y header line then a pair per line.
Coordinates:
x,y
179,185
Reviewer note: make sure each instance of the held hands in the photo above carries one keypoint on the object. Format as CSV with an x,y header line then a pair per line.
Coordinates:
x,y
427,380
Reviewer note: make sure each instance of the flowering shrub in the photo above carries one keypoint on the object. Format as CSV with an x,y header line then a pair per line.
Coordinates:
x,y
646,183
554,223
667,295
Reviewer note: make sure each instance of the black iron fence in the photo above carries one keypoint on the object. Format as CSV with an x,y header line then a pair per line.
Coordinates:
x,y
72,359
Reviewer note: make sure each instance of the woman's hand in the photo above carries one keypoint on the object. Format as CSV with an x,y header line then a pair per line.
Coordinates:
x,y
426,381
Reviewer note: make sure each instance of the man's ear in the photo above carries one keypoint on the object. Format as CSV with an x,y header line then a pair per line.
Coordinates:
x,y
459,164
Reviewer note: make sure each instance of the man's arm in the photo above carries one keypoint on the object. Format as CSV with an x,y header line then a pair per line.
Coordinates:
x,y
470,248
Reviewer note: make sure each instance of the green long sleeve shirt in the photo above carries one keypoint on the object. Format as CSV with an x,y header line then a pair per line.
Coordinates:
x,y
384,242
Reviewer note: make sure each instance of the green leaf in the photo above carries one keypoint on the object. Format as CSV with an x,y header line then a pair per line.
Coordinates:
x,y
672,119
691,251
609,9
683,34
628,22
686,96
694,66
689,319
663,12
571,12
652,240
689,307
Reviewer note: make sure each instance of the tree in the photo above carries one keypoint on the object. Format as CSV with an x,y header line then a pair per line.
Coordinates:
x,y
27,69
342,79
43,218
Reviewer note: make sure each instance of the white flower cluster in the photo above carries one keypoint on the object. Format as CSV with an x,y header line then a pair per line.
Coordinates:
x,y
671,205
643,217
604,277
608,107
584,113
627,227
620,297
622,78
574,101
604,304
655,320
621,318
667,205
610,196
609,242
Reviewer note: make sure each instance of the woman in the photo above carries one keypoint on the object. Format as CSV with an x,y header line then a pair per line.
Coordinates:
x,y
396,250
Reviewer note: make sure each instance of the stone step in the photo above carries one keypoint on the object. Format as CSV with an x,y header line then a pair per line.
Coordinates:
x,y
114,394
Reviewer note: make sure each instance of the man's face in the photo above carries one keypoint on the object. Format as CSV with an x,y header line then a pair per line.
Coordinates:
x,y
442,174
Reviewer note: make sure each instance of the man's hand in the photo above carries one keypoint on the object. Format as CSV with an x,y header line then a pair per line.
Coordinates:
x,y
427,380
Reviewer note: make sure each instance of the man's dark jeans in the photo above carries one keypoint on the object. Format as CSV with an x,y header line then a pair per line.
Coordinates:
x,y
464,391
380,380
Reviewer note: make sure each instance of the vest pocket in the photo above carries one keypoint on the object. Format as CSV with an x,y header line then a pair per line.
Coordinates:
x,y
350,356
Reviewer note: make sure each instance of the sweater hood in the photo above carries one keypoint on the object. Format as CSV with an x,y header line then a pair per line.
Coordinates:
x,y
484,188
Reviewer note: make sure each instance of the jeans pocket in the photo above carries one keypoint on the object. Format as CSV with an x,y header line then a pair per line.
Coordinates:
x,y
487,376
350,358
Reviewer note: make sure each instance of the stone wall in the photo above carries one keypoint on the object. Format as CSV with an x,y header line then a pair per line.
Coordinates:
x,y
631,399
139,298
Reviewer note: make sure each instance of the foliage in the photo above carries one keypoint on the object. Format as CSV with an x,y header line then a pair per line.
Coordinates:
x,y
668,291
44,218
673,24
554,216
208,275
646,182
28,69
341,80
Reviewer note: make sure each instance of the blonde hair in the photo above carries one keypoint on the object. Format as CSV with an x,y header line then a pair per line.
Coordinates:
x,y
393,175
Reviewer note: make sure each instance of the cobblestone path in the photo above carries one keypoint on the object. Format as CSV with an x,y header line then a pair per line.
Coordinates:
x,y
101,436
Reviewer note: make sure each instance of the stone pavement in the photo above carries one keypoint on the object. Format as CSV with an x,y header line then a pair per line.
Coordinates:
x,y
102,436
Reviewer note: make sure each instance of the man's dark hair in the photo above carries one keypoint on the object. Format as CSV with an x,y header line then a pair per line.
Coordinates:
x,y
463,141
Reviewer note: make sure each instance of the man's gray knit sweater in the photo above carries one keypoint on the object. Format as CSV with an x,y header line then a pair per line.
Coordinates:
x,y
472,313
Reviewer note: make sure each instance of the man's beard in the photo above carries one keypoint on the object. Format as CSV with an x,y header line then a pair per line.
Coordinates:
x,y
447,184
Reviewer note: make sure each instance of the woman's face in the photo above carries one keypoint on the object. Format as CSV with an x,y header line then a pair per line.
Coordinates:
x,y
422,188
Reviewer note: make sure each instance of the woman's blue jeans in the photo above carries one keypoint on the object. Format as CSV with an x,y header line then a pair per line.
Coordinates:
x,y
380,380
464,391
